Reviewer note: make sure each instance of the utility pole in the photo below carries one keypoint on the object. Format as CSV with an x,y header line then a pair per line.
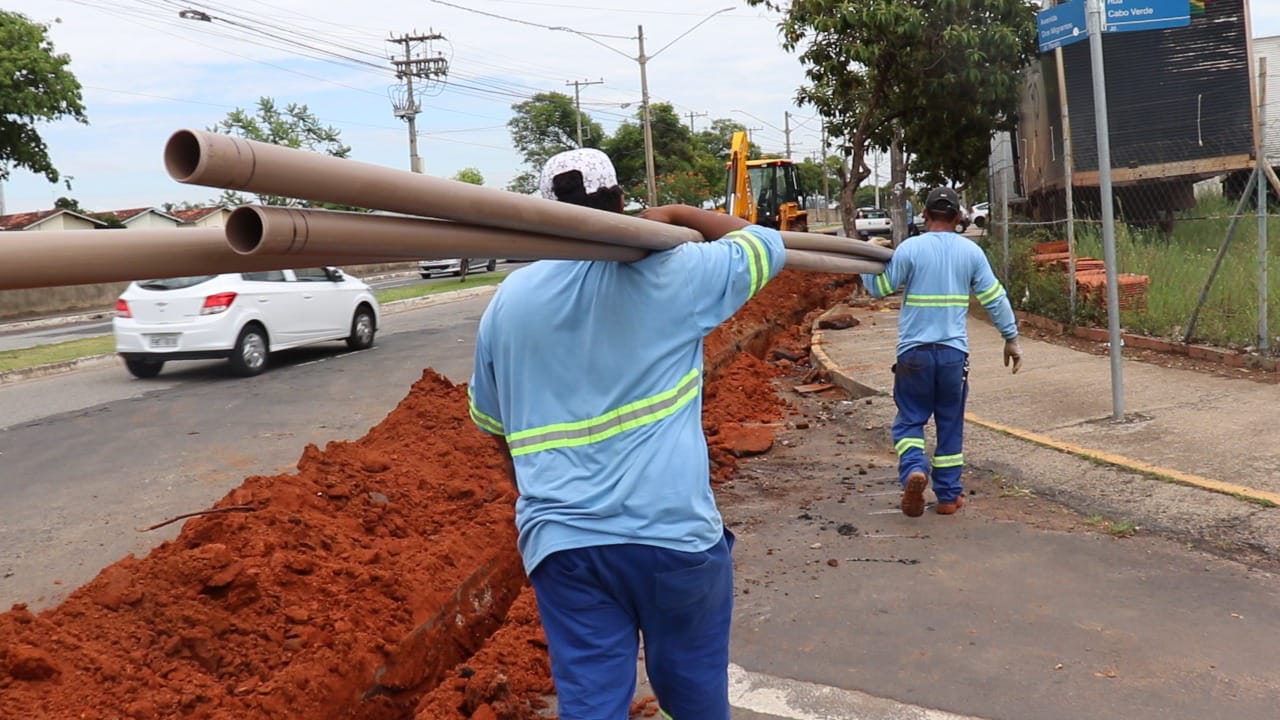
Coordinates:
x,y
651,182
577,103
826,189
693,115
751,134
415,64
786,123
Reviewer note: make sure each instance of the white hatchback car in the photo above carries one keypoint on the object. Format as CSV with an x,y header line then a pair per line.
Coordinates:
x,y
240,316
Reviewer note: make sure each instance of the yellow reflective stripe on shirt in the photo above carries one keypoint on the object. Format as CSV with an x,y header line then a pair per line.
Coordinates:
x,y
602,427
991,294
905,444
882,284
946,461
915,300
484,422
757,257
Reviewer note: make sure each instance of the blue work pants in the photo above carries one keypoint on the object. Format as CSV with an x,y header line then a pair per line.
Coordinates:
x,y
595,601
931,380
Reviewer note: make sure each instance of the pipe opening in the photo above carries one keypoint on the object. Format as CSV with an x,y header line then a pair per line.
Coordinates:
x,y
244,230
182,155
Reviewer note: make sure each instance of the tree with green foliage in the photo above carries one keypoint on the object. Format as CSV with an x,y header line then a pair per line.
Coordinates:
x,y
674,153
526,183
469,175
940,75
35,86
295,127
69,203
547,124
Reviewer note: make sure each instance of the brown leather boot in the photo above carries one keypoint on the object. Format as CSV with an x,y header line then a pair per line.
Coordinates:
x,y
913,495
951,507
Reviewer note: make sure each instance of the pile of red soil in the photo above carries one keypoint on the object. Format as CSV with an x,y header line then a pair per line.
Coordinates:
x,y
380,581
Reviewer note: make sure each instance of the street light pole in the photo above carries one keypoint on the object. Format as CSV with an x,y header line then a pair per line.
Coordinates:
x,y
643,60
651,181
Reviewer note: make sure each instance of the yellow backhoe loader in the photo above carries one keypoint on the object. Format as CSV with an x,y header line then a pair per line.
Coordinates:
x,y
764,192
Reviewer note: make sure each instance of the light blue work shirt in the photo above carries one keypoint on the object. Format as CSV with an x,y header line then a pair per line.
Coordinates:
x,y
592,371
937,271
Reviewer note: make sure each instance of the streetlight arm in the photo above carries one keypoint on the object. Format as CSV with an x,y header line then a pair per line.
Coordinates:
x,y
601,44
686,32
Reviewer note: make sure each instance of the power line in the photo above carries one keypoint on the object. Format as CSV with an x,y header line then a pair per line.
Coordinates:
x,y
527,22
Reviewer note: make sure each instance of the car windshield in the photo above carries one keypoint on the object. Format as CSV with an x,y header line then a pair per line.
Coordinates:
x,y
177,283
875,213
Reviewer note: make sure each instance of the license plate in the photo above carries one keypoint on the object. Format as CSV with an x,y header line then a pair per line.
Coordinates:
x,y
165,340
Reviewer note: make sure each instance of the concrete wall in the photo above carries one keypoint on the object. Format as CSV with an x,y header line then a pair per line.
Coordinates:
x,y
216,219
36,302
63,222
1269,48
150,220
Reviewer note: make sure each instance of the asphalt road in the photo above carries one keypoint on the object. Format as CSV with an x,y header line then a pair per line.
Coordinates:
x,y
89,457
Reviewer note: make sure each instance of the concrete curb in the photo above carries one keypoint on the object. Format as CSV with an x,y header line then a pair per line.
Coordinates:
x,y
92,361
58,368
857,389
839,378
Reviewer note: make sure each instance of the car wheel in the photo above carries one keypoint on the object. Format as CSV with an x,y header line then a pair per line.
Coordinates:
x,y
980,222
493,265
962,227
251,351
144,368
362,329
424,275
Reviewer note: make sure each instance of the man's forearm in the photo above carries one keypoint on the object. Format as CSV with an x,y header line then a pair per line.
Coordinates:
x,y
710,224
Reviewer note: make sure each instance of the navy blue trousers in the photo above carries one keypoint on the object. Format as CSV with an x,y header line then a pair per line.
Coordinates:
x,y
596,601
931,380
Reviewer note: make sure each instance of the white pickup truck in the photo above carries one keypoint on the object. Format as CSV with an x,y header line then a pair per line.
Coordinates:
x,y
870,221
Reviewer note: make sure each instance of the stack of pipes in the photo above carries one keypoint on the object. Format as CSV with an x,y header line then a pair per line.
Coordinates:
x,y
437,218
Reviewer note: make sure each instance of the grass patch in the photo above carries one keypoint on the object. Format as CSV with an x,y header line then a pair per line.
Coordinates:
x,y
1178,264
415,291
1116,528
56,352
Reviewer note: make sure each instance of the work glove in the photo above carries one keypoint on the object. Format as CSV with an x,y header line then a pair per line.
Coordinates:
x,y
1013,351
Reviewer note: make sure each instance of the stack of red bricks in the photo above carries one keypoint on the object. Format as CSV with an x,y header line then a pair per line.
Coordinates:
x,y
1091,276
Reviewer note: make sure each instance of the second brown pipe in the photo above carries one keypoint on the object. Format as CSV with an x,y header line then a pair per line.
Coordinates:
x,y
203,158
258,231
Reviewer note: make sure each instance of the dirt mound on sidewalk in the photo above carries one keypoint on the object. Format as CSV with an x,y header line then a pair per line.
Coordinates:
x,y
379,581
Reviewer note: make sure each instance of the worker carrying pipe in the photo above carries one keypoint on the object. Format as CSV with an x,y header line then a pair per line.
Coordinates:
x,y
589,375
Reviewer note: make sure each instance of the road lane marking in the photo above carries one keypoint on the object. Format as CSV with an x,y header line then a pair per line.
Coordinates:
x,y
798,700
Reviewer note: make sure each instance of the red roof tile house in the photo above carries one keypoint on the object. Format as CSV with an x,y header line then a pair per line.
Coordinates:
x,y
203,216
56,219
137,218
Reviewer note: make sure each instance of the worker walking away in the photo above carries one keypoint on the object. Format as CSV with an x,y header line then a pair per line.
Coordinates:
x,y
937,270
589,374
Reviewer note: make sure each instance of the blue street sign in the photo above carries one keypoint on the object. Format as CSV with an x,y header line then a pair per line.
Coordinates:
x,y
1062,25
1134,15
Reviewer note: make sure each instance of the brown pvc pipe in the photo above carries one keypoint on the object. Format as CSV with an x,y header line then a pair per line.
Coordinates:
x,y
200,157
814,261
258,231
835,245
84,257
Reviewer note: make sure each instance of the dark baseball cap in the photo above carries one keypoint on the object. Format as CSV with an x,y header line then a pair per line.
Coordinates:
x,y
943,199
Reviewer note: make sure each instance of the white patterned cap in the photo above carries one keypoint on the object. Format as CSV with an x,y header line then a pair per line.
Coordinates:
x,y
596,168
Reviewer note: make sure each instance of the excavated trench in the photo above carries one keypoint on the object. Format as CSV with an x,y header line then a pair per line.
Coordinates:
x,y
378,582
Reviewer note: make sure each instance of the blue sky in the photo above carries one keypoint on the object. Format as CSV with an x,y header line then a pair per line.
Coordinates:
x,y
146,73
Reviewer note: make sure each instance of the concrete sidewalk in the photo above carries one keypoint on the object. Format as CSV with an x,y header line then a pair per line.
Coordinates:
x,y
1204,449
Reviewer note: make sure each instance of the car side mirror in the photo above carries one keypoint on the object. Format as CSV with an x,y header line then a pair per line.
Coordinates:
x,y
334,274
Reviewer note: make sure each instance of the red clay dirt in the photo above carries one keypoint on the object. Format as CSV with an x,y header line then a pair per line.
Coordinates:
x,y
378,582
